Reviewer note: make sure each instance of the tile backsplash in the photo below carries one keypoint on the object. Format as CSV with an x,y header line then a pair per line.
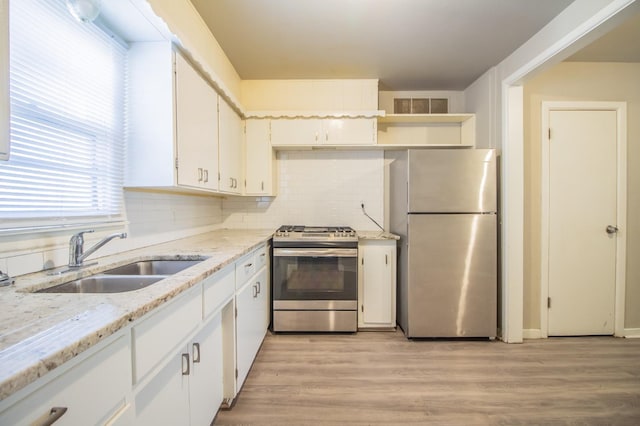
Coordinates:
x,y
316,188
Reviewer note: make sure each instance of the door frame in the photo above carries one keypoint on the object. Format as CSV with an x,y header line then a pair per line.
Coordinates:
x,y
621,214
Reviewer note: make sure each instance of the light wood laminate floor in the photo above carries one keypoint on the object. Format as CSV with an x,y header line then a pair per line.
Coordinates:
x,y
383,378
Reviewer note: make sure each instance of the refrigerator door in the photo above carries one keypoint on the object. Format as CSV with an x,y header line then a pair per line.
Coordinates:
x,y
452,180
452,275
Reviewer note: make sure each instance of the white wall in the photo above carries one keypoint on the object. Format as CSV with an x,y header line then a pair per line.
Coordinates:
x,y
310,95
316,188
480,99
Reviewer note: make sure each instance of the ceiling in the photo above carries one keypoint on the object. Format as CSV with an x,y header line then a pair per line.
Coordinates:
x,y
406,44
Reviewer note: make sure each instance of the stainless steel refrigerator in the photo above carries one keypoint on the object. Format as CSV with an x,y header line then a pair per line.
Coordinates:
x,y
443,204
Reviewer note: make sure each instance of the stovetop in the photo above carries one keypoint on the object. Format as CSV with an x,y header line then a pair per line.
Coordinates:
x,y
315,233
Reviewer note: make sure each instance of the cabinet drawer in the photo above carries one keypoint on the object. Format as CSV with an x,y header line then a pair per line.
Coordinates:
x,y
246,267
218,288
157,336
261,255
91,391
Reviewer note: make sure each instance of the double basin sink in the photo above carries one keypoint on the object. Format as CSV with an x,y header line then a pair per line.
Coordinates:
x,y
133,276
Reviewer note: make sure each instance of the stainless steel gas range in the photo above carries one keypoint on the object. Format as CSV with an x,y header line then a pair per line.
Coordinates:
x,y
315,279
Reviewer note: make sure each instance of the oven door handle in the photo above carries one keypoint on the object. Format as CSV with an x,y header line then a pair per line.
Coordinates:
x,y
315,252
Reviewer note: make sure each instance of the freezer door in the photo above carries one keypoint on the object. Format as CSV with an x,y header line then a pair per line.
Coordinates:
x,y
452,180
452,275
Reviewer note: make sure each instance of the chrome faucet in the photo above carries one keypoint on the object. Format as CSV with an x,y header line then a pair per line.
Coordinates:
x,y
5,279
76,247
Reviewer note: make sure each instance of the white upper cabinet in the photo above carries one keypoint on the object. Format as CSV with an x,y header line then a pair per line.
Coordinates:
x,y
293,131
350,131
260,176
4,79
173,142
325,131
196,128
231,150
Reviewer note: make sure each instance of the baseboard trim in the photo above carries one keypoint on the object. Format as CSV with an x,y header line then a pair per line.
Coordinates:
x,y
632,333
531,333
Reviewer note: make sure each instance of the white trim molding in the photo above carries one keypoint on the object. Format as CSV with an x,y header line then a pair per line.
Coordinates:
x,y
621,195
632,333
531,333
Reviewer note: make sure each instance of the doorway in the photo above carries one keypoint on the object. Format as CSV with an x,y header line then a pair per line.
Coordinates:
x,y
583,218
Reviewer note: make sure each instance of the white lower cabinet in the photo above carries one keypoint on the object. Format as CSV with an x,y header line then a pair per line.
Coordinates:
x,y
377,284
188,389
252,301
91,390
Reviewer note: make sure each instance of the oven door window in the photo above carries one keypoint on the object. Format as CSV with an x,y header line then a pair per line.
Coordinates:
x,y
308,277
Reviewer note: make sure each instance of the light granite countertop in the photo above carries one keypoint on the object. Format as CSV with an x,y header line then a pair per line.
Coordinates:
x,y
41,331
377,235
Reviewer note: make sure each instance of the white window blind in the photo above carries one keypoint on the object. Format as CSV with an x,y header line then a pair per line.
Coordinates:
x,y
67,91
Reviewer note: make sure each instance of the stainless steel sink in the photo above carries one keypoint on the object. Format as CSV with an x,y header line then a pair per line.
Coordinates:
x,y
130,277
105,284
152,267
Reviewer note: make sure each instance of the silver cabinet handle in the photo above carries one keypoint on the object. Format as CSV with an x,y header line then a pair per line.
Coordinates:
x,y
195,350
255,291
230,182
248,265
54,415
263,185
199,174
612,229
259,286
186,367
316,136
206,175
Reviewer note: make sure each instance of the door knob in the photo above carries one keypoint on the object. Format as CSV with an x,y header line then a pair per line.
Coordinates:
x,y
611,229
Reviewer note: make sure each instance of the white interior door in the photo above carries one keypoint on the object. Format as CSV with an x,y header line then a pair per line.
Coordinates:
x,y
582,204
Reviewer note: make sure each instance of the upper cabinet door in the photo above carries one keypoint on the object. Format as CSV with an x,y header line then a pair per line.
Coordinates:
x,y
4,79
196,128
259,159
292,131
327,131
231,150
350,131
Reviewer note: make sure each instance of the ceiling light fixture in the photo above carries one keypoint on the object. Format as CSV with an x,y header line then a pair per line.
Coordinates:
x,y
84,10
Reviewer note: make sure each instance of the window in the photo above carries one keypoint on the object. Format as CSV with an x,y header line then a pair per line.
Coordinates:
x,y
67,91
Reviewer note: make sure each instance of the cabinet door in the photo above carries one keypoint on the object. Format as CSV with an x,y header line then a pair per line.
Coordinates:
x,y
262,307
259,159
245,324
205,380
231,152
350,131
165,399
92,391
196,128
377,284
4,79
291,131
